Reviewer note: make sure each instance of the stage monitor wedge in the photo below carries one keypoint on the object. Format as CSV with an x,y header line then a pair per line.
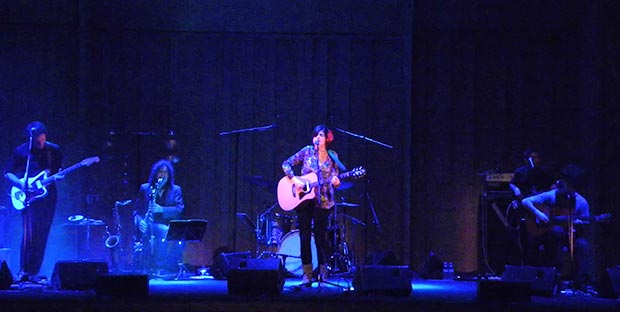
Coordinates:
x,y
257,277
77,275
382,280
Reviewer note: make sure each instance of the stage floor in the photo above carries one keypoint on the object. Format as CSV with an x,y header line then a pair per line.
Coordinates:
x,y
212,295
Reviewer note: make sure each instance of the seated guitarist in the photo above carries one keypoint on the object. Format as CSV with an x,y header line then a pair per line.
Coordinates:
x,y
28,160
548,226
315,158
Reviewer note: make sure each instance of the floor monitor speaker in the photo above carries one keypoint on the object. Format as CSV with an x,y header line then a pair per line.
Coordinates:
x,y
224,262
257,277
382,280
77,275
543,280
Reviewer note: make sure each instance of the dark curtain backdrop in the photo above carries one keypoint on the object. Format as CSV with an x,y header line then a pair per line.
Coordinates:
x,y
116,79
432,93
494,78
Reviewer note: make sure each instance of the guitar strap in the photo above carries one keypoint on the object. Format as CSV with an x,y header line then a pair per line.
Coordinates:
x,y
52,166
334,156
49,158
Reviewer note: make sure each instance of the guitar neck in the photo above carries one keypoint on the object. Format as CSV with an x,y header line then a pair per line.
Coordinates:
x,y
564,219
582,220
51,178
343,175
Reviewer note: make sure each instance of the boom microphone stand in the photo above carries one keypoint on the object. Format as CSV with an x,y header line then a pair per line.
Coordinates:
x,y
26,171
239,131
367,194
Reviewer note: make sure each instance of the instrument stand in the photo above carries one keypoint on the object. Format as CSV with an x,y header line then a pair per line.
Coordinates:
x,y
185,231
319,282
340,255
571,246
182,269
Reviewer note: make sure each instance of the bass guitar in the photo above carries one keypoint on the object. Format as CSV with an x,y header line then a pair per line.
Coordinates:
x,y
290,195
21,199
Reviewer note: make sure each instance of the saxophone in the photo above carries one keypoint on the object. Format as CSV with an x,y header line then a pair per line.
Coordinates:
x,y
113,240
148,215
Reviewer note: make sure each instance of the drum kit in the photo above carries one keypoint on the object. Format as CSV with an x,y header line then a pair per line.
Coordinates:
x,y
277,236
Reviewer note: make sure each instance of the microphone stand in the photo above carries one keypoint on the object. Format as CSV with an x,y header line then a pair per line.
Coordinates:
x,y
367,194
367,139
238,131
25,186
364,138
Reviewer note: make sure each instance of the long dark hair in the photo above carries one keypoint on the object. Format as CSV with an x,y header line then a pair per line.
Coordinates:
x,y
155,168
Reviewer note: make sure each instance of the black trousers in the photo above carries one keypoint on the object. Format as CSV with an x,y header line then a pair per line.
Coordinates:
x,y
312,220
36,222
547,250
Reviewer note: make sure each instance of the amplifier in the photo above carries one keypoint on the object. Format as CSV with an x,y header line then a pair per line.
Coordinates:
x,y
498,181
493,195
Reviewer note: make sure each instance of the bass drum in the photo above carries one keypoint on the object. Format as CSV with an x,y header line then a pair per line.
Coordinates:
x,y
290,251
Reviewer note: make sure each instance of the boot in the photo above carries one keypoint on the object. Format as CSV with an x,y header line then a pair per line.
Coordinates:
x,y
306,279
323,272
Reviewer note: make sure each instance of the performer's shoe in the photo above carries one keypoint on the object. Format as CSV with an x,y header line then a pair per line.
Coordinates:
x,y
306,279
323,273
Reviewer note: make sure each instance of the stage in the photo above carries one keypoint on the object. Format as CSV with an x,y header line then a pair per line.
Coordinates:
x,y
208,294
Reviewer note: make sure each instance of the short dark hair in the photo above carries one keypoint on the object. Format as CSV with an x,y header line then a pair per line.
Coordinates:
x,y
329,134
529,151
572,175
35,128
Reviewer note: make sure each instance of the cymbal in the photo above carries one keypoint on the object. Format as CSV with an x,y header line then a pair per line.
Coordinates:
x,y
79,219
75,218
347,204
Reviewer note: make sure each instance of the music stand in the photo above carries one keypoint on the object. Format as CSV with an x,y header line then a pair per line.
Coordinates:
x,y
185,231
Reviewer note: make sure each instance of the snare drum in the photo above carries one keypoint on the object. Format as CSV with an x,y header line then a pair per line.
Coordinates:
x,y
290,250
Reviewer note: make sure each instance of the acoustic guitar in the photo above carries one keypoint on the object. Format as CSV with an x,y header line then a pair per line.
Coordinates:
x,y
558,216
290,195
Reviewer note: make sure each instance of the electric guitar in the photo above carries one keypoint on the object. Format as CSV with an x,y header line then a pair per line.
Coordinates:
x,y
290,195
21,199
558,216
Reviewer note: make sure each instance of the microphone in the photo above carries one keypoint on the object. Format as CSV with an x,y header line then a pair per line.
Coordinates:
x,y
160,183
531,160
316,143
33,129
